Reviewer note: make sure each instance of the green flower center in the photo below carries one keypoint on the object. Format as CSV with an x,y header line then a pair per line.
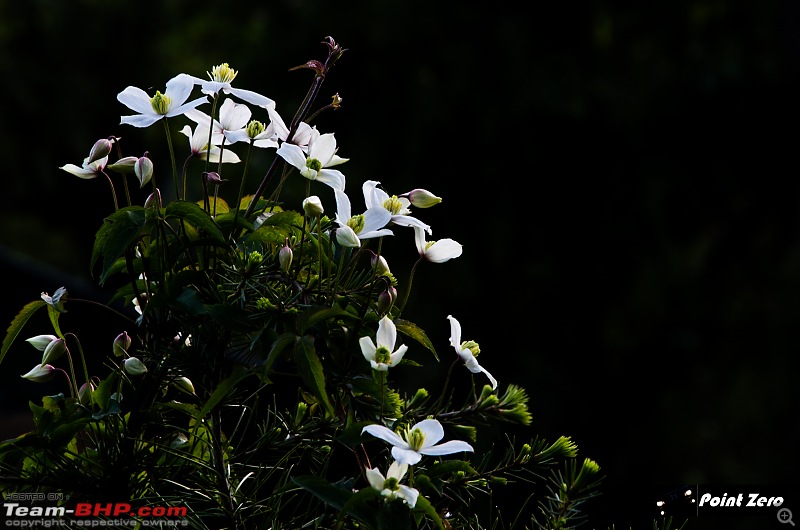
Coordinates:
x,y
391,484
415,439
393,204
313,163
472,346
356,223
254,128
382,355
222,73
160,103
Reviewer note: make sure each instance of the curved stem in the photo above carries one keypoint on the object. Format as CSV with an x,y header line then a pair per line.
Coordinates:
x,y
408,289
172,158
113,191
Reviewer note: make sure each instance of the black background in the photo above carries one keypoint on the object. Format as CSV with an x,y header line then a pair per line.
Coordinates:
x,y
622,177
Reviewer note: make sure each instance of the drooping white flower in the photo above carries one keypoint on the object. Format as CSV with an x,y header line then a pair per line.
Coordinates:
x,y
368,225
398,207
419,440
151,109
465,350
436,251
390,486
383,355
321,156
87,170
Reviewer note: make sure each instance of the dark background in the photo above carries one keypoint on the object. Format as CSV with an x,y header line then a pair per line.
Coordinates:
x,y
622,177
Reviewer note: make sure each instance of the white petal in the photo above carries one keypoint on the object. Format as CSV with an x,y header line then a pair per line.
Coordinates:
x,y
239,135
407,220
343,211
293,154
136,99
141,120
397,470
453,446
385,434
367,348
491,379
234,115
455,332
79,171
251,97
370,198
347,237
177,111
375,478
432,430
410,495
419,239
332,177
387,333
406,456
323,148
179,88
375,219
443,250
397,356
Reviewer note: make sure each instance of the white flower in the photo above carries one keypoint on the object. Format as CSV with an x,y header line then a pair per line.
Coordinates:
x,y
321,156
381,357
464,350
365,226
198,144
87,170
151,109
398,207
419,440
220,78
390,486
436,251
263,136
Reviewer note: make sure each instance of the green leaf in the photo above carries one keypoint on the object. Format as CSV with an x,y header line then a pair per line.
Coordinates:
x,y
424,506
197,217
277,348
317,314
394,515
415,332
18,323
341,499
449,467
310,369
117,233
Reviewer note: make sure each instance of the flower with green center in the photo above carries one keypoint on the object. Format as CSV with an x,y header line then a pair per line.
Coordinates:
x,y
263,136
355,228
398,207
316,163
436,251
219,80
381,356
420,439
198,139
467,350
390,486
151,109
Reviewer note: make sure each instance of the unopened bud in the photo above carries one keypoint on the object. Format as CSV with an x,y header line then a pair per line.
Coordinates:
x,y
85,393
346,237
40,373
143,168
184,384
153,200
41,342
212,177
422,198
121,344
379,264
54,350
100,149
285,256
124,165
134,366
337,101
386,300
313,206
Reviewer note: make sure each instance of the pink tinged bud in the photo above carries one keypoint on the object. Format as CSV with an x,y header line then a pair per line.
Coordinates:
x,y
100,149
40,373
386,300
212,177
380,265
143,169
134,366
85,393
124,165
121,344
422,198
285,257
54,350
153,200
41,342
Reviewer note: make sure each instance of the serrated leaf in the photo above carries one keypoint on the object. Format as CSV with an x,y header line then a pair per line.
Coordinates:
x,y
310,369
410,329
118,232
18,323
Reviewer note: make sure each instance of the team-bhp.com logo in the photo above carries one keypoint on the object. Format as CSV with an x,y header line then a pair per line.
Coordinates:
x,y
18,513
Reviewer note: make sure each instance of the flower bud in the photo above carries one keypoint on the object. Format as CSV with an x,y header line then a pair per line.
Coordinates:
x,y
285,256
143,168
313,206
40,373
379,264
124,165
422,198
100,149
153,200
54,350
40,342
183,384
121,344
254,128
85,393
386,300
212,177
346,237
134,366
